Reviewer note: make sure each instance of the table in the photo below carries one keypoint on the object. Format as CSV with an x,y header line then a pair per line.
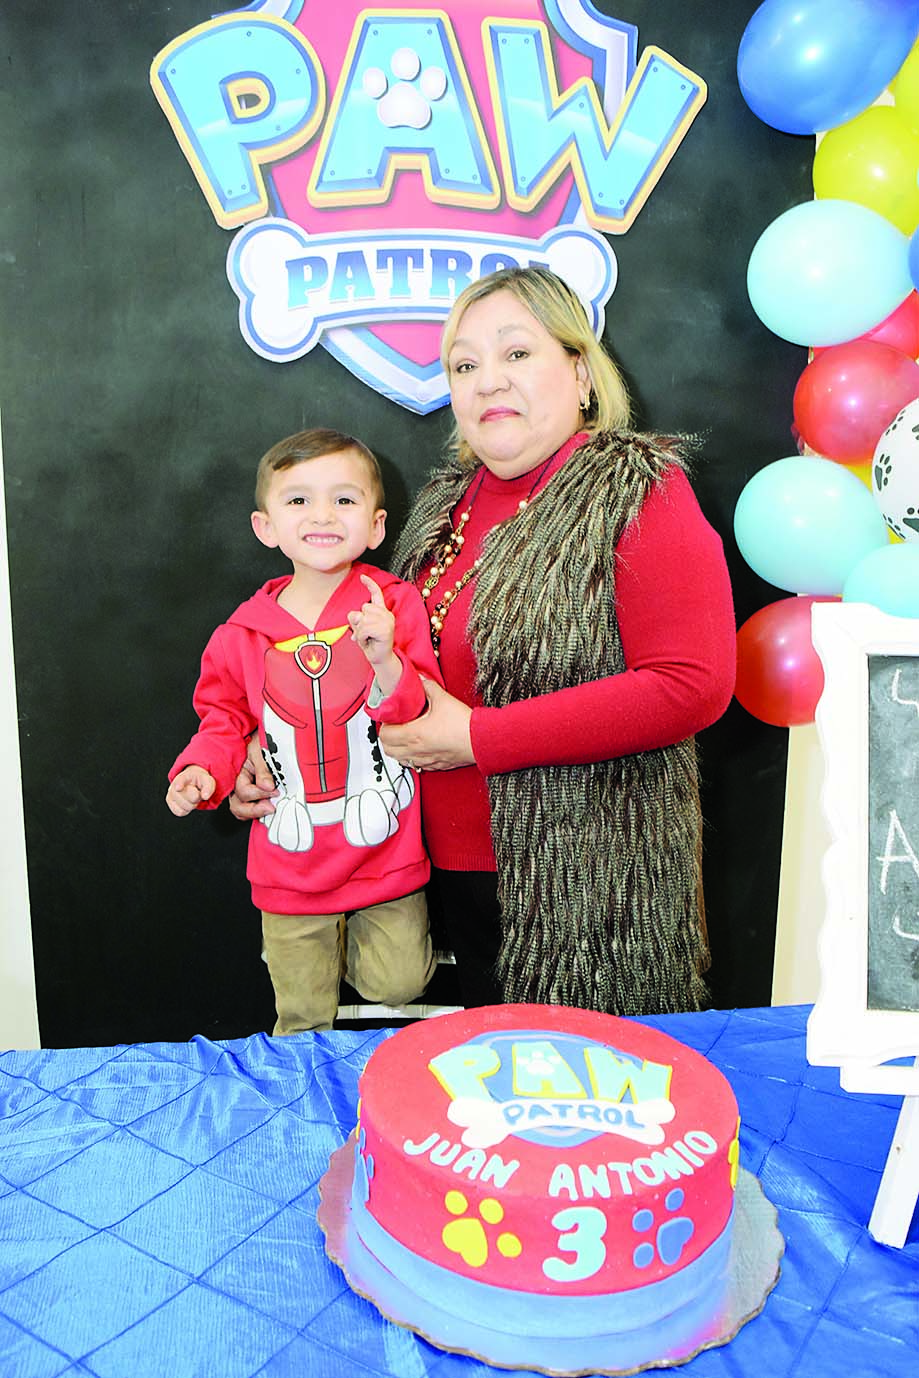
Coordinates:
x,y
158,1213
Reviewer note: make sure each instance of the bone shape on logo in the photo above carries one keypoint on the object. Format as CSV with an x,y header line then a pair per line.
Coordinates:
x,y
482,1122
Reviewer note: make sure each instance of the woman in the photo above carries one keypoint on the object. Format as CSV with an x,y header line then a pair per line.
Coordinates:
x,y
582,613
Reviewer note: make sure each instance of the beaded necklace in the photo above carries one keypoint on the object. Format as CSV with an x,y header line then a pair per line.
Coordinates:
x,y
451,549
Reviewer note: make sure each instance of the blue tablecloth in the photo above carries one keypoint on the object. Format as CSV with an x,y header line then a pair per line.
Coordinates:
x,y
158,1213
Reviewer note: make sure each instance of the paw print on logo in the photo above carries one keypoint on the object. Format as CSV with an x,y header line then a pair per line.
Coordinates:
x,y
541,1063
407,103
364,1166
911,519
672,1235
467,1236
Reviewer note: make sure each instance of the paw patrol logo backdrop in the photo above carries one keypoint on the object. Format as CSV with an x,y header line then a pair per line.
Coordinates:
x,y
373,161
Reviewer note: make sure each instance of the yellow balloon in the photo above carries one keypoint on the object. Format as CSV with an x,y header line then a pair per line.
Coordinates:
x,y
905,89
874,161
862,471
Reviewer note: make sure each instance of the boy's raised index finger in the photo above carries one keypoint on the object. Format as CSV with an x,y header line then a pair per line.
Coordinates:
x,y
373,588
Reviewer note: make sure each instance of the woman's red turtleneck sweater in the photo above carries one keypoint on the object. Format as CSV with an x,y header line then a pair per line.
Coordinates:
x,y
676,620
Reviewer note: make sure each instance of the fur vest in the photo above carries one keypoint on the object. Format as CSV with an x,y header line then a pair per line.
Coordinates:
x,y
599,866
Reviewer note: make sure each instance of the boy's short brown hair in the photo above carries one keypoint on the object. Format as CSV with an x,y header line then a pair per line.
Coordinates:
x,y
314,444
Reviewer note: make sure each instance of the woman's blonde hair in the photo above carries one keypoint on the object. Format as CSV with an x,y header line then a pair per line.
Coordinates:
x,y
549,298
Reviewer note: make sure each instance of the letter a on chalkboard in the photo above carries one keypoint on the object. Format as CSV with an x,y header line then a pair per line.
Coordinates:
x,y
893,832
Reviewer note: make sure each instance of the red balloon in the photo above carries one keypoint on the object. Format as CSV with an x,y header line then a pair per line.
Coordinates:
x,y
900,329
849,394
779,674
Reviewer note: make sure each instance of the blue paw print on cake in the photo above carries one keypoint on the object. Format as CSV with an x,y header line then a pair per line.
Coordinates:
x,y
363,1167
672,1235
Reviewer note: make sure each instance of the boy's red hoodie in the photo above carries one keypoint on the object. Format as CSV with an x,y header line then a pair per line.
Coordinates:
x,y
346,831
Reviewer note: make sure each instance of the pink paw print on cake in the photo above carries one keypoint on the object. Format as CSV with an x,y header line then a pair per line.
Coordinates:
x,y
466,1235
672,1234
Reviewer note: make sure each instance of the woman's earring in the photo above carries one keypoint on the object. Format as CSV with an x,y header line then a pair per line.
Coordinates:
x,y
585,403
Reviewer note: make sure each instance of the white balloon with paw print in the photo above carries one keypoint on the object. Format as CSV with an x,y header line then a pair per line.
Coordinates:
x,y
895,473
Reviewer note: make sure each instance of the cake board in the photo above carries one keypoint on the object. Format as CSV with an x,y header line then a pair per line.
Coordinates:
x,y
756,1250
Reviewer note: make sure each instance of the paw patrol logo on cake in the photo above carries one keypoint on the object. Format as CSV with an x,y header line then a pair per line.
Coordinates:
x,y
551,1088
376,159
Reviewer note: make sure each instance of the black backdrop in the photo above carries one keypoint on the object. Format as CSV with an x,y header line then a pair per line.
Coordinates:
x,y
133,414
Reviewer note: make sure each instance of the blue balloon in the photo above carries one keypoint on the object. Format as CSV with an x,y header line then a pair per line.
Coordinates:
x,y
887,578
913,259
826,271
809,65
803,524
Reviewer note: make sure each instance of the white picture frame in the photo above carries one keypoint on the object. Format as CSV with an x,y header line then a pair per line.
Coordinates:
x,y
842,1030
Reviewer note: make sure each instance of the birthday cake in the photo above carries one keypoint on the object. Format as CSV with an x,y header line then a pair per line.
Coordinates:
x,y
548,1172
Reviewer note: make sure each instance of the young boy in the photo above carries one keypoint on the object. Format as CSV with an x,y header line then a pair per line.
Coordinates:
x,y
312,662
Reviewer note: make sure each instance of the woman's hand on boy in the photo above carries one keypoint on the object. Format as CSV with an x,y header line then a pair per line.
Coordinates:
x,y
255,790
192,786
440,739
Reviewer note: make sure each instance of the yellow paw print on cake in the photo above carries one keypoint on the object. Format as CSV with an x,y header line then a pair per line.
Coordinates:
x,y
466,1236
734,1156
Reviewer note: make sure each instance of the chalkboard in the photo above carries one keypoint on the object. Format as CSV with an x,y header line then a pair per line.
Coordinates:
x,y
866,1016
893,832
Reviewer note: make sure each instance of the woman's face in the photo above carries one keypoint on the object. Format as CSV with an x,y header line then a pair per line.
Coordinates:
x,y
515,390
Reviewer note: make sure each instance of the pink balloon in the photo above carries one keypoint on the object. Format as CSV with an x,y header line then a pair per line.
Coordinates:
x,y
779,674
849,394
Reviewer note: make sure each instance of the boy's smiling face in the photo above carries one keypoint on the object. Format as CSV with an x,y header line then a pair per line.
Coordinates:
x,y
321,513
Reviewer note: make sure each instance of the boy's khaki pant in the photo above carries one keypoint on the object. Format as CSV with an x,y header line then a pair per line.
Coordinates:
x,y
383,951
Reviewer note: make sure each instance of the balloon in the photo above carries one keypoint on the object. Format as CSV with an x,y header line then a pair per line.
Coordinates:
x,y
905,89
779,674
808,65
912,258
873,160
901,328
849,394
895,474
887,578
827,271
802,523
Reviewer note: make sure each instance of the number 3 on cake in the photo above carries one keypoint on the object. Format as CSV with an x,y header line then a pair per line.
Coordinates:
x,y
581,1230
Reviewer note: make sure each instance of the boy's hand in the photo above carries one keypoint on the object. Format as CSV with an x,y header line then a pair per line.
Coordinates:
x,y
374,629
188,789
374,626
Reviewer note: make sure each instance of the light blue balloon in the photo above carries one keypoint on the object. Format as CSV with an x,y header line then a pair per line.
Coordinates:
x,y
803,524
809,65
826,271
887,578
